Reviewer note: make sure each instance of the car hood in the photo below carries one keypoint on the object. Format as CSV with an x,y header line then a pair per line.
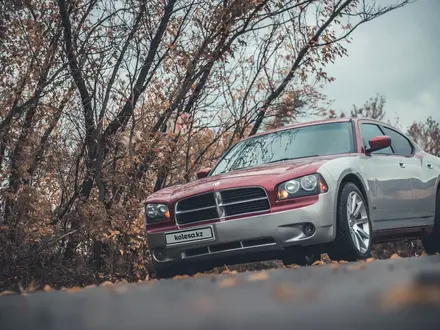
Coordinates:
x,y
267,176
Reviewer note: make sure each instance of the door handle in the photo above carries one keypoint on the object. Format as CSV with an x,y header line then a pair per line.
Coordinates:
x,y
429,166
402,164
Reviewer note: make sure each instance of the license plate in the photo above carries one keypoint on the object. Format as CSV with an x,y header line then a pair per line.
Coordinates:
x,y
186,236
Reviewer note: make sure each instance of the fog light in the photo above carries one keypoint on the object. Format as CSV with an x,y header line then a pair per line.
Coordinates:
x,y
309,229
159,254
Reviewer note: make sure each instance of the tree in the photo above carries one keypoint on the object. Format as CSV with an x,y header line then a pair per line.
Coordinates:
x,y
426,135
103,101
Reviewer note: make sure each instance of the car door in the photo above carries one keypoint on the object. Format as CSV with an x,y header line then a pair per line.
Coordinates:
x,y
388,178
422,176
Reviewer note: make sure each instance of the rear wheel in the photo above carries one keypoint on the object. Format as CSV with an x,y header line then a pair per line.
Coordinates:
x,y
353,228
431,243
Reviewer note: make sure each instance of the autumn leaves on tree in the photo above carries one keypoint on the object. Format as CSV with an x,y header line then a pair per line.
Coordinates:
x,y
102,102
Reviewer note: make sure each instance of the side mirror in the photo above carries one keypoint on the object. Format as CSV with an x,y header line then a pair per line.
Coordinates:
x,y
203,173
379,143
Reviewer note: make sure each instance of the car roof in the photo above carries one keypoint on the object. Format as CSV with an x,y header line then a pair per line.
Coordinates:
x,y
308,123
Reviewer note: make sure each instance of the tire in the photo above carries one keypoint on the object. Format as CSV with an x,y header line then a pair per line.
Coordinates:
x,y
299,257
353,236
431,243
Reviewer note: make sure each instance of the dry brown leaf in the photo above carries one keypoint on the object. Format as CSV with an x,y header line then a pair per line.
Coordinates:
x,y
293,266
179,277
371,259
8,293
228,282
395,256
411,295
343,262
106,283
199,274
317,263
74,289
424,254
31,288
47,288
325,258
259,276
282,292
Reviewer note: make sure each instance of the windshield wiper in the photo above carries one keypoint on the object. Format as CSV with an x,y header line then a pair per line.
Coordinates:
x,y
286,159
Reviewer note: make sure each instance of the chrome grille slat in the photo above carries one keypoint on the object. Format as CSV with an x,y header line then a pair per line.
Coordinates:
x,y
195,210
244,201
221,204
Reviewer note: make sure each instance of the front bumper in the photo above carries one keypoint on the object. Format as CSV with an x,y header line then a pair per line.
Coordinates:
x,y
259,234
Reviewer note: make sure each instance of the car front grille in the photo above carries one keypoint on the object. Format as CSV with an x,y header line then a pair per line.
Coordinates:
x,y
221,204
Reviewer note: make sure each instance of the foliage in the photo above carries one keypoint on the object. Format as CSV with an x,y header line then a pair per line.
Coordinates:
x,y
104,101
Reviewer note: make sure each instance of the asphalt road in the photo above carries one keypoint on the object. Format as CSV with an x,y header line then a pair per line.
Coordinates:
x,y
385,294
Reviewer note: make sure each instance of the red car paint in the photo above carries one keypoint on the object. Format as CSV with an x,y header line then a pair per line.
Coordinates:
x,y
268,176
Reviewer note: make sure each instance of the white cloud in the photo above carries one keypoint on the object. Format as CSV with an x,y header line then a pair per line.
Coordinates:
x,y
397,55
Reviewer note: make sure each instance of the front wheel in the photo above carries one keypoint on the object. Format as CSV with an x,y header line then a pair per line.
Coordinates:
x,y
431,243
353,226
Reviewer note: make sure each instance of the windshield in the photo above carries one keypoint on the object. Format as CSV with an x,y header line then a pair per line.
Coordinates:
x,y
308,141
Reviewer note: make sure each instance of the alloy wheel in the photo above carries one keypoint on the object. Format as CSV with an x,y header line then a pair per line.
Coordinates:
x,y
358,222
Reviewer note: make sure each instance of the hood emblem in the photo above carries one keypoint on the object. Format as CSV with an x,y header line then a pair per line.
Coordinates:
x,y
215,184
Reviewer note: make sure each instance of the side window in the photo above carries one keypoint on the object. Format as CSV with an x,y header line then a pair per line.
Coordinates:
x,y
369,131
400,144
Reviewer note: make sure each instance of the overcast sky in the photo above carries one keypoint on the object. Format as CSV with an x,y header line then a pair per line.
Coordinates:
x,y
397,55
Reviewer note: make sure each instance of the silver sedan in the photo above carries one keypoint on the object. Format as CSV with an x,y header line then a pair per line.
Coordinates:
x,y
334,186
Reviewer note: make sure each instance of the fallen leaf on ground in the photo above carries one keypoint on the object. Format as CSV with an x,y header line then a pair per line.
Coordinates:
x,y
395,256
106,283
74,289
47,288
31,288
199,275
228,282
227,271
371,259
7,293
317,263
411,295
325,258
282,292
179,277
343,262
260,276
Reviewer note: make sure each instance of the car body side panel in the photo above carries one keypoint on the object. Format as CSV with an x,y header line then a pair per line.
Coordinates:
x,y
424,184
388,190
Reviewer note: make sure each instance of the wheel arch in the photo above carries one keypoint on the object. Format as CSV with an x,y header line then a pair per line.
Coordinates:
x,y
357,180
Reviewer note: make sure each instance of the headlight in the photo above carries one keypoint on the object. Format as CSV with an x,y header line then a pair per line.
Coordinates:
x,y
304,186
156,212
